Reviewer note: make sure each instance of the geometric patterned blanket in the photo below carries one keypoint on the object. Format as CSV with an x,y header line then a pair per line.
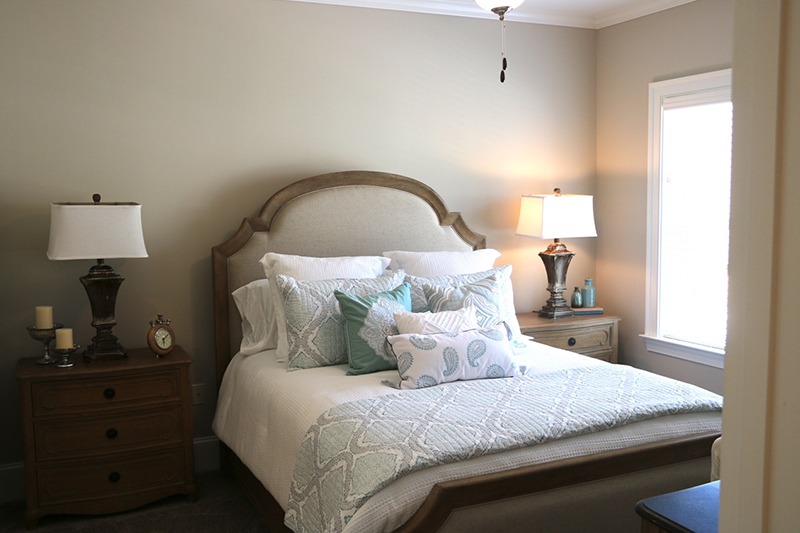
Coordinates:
x,y
357,448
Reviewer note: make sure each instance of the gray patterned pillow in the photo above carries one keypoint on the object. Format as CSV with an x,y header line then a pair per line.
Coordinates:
x,y
419,302
427,360
314,325
483,295
489,299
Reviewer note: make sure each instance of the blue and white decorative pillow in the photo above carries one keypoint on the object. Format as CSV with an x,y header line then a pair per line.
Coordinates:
x,y
312,331
489,300
427,360
483,295
304,268
505,297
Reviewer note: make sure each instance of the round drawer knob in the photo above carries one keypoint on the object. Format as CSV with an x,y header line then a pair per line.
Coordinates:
x,y
113,477
111,433
109,393
571,341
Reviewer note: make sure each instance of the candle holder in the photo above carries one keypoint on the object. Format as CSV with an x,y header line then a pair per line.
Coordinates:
x,y
65,353
45,336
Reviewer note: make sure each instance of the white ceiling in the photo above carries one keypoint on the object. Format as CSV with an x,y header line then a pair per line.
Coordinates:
x,y
594,14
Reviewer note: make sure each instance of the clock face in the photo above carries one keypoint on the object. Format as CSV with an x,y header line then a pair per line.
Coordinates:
x,y
163,338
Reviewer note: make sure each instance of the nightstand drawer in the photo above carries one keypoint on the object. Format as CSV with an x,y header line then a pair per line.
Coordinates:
x,y
63,438
592,335
83,480
99,394
578,339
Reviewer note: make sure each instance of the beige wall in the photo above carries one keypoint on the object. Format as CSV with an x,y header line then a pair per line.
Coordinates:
x,y
201,109
691,39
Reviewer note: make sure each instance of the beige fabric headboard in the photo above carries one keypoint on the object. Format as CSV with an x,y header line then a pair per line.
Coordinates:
x,y
338,214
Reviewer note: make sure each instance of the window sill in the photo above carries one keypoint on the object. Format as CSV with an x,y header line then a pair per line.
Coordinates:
x,y
688,352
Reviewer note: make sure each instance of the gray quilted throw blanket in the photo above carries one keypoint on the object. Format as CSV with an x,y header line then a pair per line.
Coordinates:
x,y
356,449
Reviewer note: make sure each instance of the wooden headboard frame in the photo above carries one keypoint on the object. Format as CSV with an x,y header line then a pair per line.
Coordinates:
x,y
337,214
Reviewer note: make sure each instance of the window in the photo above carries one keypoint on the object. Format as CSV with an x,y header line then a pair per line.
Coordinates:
x,y
689,217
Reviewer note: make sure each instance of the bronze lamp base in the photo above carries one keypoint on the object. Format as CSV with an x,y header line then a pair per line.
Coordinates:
x,y
556,260
102,285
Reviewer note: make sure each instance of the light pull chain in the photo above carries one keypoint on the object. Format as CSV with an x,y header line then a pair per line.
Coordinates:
x,y
501,11
504,64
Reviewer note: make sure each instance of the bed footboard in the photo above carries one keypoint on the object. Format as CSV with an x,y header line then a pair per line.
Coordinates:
x,y
603,506
570,495
591,493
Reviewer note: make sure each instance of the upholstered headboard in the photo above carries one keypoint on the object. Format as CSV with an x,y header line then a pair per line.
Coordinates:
x,y
338,214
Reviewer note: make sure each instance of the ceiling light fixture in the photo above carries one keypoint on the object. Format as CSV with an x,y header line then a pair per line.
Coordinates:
x,y
500,8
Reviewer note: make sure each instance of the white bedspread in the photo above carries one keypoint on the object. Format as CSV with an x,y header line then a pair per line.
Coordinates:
x,y
264,412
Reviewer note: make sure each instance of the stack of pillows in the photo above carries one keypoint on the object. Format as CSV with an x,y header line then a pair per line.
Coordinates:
x,y
434,316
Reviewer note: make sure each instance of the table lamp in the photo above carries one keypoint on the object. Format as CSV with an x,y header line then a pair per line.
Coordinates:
x,y
556,216
98,231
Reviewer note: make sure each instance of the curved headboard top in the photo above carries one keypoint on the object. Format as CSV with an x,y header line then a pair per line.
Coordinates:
x,y
338,214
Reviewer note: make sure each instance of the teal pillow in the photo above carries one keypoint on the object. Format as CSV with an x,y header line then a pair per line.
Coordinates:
x,y
369,319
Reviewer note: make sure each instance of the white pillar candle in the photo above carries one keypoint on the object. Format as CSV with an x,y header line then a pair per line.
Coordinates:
x,y
44,317
64,338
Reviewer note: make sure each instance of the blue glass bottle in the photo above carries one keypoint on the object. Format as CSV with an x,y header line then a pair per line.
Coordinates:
x,y
577,298
587,293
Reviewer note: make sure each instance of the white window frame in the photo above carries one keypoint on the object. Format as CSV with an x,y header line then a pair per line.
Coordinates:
x,y
691,90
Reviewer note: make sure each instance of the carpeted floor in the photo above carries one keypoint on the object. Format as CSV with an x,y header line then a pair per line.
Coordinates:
x,y
221,507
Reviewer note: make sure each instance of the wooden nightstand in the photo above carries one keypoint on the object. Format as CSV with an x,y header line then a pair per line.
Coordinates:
x,y
106,436
592,335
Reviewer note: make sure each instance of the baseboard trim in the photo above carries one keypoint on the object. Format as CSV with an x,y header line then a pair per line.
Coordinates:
x,y
12,475
12,482
206,454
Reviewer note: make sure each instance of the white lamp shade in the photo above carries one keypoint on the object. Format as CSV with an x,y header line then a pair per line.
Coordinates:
x,y
488,5
557,217
95,231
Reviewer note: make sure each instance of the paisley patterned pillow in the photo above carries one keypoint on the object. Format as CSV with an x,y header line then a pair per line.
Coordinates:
x,y
427,360
369,320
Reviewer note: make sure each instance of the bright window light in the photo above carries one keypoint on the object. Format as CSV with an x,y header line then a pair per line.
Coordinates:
x,y
689,217
695,216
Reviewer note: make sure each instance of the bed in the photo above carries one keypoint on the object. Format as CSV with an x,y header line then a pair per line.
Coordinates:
x,y
589,479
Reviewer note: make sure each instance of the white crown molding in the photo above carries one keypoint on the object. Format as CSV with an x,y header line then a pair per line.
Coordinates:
x,y
527,14
636,10
433,7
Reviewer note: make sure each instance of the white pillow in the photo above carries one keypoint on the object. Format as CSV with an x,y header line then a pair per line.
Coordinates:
x,y
442,263
307,269
253,301
316,268
427,360
444,322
